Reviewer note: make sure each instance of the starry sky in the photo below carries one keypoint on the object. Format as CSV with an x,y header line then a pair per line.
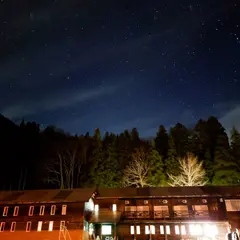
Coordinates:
x,y
119,64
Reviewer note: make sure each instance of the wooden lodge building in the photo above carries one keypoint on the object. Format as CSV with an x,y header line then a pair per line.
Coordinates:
x,y
121,214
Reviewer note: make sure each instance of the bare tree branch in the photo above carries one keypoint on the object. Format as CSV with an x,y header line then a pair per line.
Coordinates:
x,y
192,173
136,173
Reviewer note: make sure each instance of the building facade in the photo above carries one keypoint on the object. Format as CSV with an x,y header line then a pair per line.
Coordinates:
x,y
123,214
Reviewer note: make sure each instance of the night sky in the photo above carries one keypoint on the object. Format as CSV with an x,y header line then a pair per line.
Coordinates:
x,y
120,64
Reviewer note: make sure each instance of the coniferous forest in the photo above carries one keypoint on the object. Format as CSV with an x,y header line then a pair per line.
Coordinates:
x,y
35,159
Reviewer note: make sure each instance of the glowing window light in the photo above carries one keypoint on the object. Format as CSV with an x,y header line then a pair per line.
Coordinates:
x,y
210,230
96,208
161,229
39,227
106,229
152,229
132,230
147,229
114,207
138,229
168,229
177,230
183,230
50,227
195,229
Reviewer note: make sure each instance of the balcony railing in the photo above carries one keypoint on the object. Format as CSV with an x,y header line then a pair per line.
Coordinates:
x,y
193,215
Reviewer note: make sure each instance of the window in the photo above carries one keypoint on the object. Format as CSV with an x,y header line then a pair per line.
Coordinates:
x,y
42,208
39,227
147,229
161,211
138,229
13,226
31,210
62,225
146,202
96,208
16,210
114,207
152,229
53,210
195,229
28,226
132,230
2,226
180,211
64,209
106,229
183,230
232,205
168,229
50,227
177,230
200,210
161,229
5,211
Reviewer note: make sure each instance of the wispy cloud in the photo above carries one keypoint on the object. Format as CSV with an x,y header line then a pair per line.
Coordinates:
x,y
56,101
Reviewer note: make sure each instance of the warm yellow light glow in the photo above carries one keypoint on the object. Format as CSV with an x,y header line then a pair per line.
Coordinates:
x,y
152,229
96,208
132,230
195,229
161,229
114,207
50,227
39,227
147,229
167,229
177,230
183,230
106,229
138,229
210,230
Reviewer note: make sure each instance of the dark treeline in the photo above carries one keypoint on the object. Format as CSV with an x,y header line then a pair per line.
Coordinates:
x,y
33,159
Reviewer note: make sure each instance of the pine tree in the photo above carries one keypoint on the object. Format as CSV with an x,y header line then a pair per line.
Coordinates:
x,y
172,164
161,142
235,145
157,176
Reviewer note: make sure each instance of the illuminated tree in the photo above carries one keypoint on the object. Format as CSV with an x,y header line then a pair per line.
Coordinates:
x,y
136,173
191,173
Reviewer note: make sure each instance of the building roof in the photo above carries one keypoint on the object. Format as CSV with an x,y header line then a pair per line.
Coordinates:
x,y
83,194
168,192
35,196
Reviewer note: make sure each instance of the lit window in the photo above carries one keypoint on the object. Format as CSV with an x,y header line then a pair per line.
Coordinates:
x,y
183,230
195,229
5,211
39,227
114,207
147,229
16,210
28,226
132,230
161,229
50,227
168,229
13,226
138,229
152,229
64,209
62,225
53,209
42,208
96,208
210,230
106,229
2,226
177,230
31,210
